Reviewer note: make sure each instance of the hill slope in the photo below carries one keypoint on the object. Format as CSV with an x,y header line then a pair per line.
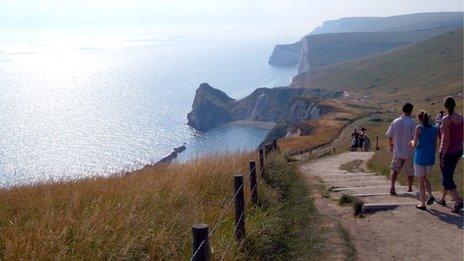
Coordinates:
x,y
422,71
289,54
398,23
325,49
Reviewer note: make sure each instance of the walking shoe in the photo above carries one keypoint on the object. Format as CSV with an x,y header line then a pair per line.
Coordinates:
x,y
430,201
457,208
441,202
393,192
421,207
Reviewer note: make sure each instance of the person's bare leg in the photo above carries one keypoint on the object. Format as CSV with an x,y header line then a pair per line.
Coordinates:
x,y
410,182
428,187
454,194
443,194
422,190
393,177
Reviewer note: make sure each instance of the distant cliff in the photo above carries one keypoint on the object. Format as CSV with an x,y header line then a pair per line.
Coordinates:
x,y
316,47
212,107
326,49
398,23
286,54
423,72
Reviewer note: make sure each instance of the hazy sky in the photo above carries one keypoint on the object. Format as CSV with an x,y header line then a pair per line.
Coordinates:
x,y
298,15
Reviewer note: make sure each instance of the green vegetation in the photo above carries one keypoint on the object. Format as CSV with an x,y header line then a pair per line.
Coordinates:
x,y
291,231
423,72
345,199
327,49
353,201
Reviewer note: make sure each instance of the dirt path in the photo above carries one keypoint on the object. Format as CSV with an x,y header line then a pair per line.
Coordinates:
x,y
392,228
328,148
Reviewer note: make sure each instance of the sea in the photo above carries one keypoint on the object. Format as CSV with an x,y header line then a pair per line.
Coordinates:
x,y
85,102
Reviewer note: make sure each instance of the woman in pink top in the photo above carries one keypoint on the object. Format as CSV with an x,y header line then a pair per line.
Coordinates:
x,y
451,150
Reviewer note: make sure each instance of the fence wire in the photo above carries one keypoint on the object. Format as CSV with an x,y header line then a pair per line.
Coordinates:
x,y
232,236
221,219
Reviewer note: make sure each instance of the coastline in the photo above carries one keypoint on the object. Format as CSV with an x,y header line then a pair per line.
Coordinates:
x,y
169,158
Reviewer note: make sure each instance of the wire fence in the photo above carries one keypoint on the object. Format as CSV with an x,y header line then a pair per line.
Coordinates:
x,y
221,218
231,236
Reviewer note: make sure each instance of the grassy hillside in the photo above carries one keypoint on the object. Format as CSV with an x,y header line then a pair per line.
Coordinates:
x,y
326,49
421,72
148,214
398,23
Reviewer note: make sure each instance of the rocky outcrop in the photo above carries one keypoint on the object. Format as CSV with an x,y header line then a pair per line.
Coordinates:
x,y
173,155
212,107
302,109
286,55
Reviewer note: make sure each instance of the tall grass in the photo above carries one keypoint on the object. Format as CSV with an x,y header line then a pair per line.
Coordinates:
x,y
291,228
147,214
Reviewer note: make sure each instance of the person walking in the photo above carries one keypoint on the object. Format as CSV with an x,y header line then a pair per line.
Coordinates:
x,y
355,140
367,141
400,133
361,139
425,143
438,122
439,118
451,150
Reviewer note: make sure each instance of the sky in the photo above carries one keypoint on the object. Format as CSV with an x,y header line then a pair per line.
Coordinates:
x,y
265,15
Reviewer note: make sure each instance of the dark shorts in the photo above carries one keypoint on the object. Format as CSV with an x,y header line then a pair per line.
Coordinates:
x,y
450,160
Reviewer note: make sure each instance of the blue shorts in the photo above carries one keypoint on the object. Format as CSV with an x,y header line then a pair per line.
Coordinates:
x,y
450,160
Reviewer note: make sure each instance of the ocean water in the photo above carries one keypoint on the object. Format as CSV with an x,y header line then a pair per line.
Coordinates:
x,y
76,104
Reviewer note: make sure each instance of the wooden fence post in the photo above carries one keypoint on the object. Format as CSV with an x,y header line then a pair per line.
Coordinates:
x,y
261,162
377,143
200,242
253,183
239,208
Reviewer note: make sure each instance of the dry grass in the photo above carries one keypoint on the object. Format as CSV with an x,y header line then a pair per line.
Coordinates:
x,y
145,215
324,130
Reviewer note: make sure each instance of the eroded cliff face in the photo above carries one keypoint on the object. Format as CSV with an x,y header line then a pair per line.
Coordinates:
x,y
286,55
302,109
284,106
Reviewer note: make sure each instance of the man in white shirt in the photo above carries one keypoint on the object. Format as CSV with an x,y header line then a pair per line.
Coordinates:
x,y
439,119
400,133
